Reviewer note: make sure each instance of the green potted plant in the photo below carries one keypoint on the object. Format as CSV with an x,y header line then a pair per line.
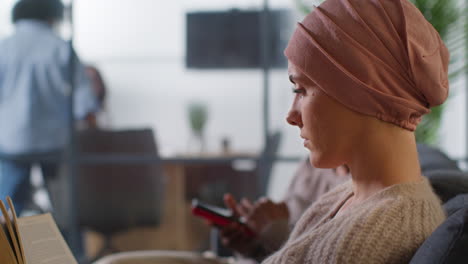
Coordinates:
x,y
197,115
443,15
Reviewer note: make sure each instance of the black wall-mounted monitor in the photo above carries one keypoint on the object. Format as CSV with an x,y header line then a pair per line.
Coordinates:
x,y
231,39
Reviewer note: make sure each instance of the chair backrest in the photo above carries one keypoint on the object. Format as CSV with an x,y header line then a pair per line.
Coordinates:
x,y
448,243
266,161
114,196
431,158
448,183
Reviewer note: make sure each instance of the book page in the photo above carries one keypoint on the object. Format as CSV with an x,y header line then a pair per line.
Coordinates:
x,y
42,241
11,233
6,251
16,229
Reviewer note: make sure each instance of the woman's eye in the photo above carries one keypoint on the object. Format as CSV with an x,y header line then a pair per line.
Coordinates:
x,y
299,91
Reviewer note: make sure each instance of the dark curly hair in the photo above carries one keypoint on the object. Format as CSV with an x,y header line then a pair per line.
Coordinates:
x,y
43,10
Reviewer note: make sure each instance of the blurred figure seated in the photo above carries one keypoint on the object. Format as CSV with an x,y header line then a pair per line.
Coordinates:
x,y
271,221
95,119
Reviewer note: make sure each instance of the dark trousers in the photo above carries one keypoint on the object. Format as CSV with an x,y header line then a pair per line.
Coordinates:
x,y
15,176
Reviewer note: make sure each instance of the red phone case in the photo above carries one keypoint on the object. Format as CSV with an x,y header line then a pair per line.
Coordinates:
x,y
217,218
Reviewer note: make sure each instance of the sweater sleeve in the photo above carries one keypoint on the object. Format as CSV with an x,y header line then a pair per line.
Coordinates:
x,y
387,235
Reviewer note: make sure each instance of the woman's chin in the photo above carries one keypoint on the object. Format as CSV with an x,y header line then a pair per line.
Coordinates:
x,y
318,161
315,161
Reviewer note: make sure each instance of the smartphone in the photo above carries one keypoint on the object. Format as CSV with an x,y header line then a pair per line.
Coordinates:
x,y
219,216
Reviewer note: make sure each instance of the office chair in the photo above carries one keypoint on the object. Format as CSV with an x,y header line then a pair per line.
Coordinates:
x,y
114,197
431,158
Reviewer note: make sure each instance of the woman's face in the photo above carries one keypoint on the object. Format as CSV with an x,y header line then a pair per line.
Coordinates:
x,y
327,127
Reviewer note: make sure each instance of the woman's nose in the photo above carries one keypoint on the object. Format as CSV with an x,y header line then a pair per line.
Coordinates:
x,y
294,118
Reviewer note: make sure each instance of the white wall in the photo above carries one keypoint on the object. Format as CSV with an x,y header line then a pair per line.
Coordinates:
x,y
5,17
142,57
452,134
454,128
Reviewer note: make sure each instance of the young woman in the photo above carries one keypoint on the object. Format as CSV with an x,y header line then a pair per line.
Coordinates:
x,y
364,73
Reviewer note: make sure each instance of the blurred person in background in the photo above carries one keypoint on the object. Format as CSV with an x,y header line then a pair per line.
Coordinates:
x,y
98,85
97,119
273,221
35,87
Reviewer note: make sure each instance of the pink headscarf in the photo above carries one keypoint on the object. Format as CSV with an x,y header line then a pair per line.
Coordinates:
x,y
377,57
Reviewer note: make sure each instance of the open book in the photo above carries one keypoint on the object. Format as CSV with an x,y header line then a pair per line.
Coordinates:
x,y
31,240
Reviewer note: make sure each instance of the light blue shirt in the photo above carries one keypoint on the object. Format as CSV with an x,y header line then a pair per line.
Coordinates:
x,y
35,90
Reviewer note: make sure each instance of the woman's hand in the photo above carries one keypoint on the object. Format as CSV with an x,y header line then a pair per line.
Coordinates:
x,y
264,212
257,216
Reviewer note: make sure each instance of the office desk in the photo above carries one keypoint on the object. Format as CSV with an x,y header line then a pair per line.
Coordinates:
x,y
179,230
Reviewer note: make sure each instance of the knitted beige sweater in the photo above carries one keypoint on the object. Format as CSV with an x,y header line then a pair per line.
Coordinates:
x,y
388,227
